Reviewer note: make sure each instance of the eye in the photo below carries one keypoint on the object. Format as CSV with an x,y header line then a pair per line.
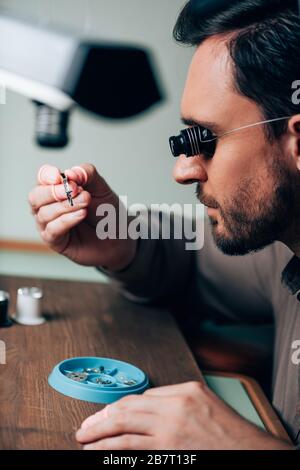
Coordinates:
x,y
208,149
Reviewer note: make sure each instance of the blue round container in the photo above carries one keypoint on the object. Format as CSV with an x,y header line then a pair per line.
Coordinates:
x,y
97,379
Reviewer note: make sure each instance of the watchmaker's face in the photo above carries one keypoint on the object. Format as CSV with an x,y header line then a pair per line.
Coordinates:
x,y
248,186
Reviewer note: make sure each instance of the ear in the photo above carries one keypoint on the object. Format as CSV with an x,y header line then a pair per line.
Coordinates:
x,y
294,139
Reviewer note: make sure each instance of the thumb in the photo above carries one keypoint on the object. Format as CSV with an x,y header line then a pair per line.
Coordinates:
x,y
87,176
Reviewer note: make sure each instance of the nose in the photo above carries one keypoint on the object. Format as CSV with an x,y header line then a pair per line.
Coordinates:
x,y
189,170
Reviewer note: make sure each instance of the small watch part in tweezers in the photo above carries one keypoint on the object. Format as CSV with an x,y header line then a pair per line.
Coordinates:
x,y
67,188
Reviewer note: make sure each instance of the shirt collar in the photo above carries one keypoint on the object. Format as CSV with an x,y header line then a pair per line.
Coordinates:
x,y
291,276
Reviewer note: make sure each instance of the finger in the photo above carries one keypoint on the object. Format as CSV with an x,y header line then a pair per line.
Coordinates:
x,y
43,195
136,403
96,186
129,405
179,389
124,423
94,419
108,410
77,174
94,183
48,175
58,228
126,442
52,211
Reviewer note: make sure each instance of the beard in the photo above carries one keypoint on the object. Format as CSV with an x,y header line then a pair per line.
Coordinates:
x,y
254,219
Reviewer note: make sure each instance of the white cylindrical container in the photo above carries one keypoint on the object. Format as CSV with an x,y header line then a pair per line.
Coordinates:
x,y
28,310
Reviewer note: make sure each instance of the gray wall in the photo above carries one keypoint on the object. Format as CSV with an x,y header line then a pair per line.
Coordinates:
x,y
141,171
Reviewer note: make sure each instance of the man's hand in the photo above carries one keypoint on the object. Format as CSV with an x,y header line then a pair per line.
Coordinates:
x,y
71,231
187,416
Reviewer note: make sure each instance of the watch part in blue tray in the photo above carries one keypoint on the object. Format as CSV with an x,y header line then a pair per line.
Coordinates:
x,y
97,379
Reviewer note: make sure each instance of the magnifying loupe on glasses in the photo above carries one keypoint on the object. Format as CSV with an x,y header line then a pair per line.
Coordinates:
x,y
193,141
199,140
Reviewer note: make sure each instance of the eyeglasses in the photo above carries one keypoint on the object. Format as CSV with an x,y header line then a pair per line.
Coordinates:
x,y
199,140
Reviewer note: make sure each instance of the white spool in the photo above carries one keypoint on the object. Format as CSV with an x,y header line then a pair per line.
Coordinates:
x,y
28,309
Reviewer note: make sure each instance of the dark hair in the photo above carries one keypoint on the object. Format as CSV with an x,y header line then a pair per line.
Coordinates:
x,y
264,48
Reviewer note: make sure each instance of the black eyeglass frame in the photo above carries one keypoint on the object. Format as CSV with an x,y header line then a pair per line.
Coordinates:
x,y
198,140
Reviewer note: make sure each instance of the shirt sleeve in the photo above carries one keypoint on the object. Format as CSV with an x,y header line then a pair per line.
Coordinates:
x,y
235,288
161,269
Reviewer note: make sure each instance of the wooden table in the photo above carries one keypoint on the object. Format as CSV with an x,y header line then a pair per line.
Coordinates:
x,y
84,319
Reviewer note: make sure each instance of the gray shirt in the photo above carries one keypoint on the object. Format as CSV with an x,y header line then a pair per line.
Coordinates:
x,y
243,289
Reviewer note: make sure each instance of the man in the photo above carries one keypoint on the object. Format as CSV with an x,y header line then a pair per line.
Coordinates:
x,y
245,62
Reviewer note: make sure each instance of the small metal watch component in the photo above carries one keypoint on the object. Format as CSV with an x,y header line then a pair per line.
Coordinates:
x,y
125,381
101,381
77,376
67,188
97,370
129,382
